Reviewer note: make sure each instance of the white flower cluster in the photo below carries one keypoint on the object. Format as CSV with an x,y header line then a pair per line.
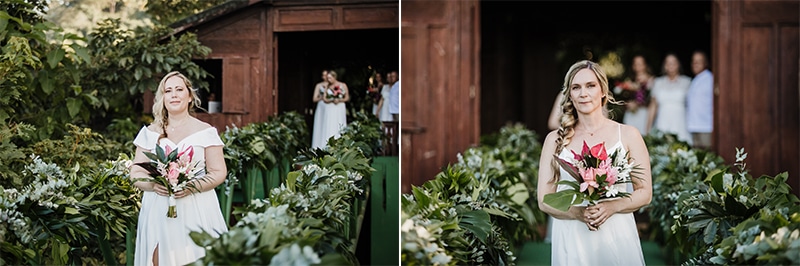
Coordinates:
x,y
274,218
45,190
781,239
419,241
11,219
296,256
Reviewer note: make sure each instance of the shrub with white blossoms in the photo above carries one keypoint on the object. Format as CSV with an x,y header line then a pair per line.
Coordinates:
x,y
295,256
423,245
303,221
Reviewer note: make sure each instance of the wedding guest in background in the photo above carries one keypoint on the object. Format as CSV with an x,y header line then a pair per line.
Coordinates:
x,y
581,235
668,100
700,102
376,86
636,92
383,105
160,239
554,120
394,97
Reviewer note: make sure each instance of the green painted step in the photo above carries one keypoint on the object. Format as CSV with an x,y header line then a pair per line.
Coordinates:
x,y
538,253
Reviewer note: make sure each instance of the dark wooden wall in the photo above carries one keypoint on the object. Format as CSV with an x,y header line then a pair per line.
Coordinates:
x,y
440,83
247,41
757,101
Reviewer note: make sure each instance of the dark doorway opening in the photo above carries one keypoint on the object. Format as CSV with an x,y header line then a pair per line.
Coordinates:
x,y
527,47
354,54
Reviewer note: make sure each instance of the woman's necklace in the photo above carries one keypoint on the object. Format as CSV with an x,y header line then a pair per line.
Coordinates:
x,y
591,132
176,126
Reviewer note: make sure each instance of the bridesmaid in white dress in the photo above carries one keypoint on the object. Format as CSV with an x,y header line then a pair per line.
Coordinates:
x,y
636,113
383,105
163,240
329,122
317,140
604,233
668,100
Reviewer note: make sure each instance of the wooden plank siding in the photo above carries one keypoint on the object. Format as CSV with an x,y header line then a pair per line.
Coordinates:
x,y
440,86
757,96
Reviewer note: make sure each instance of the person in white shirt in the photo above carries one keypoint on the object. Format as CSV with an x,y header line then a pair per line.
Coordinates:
x,y
700,102
394,97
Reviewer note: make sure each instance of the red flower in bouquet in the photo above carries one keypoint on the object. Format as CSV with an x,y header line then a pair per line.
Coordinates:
x,y
174,170
334,93
374,94
598,176
629,90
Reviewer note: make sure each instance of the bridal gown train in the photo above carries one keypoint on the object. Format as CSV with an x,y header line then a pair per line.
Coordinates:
x,y
615,243
199,211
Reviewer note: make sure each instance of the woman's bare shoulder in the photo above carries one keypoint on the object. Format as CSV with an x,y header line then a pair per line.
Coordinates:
x,y
155,128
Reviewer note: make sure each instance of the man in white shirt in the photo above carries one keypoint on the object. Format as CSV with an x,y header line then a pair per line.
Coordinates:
x,y
394,96
700,102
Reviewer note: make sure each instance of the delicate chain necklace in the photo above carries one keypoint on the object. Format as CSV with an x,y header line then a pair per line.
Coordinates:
x,y
591,132
175,126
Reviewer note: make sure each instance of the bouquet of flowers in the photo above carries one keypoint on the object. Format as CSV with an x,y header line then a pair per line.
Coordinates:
x,y
374,94
598,177
174,170
629,90
334,93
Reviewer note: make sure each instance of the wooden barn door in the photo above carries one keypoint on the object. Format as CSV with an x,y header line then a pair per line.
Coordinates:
x,y
755,62
439,85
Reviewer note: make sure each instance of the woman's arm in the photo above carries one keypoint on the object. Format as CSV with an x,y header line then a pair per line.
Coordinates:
x,y
317,96
554,121
216,171
652,108
139,172
346,93
380,105
547,182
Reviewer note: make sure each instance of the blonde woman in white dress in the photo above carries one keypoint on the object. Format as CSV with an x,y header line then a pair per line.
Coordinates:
x,y
604,233
161,240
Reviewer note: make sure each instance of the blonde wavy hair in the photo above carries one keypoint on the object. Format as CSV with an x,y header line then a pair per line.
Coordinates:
x,y
160,115
569,116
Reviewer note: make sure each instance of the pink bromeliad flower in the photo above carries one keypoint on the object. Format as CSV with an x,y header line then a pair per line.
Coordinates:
x,y
610,172
589,179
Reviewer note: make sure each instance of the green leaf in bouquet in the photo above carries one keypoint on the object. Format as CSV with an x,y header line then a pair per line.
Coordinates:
x,y
562,200
160,154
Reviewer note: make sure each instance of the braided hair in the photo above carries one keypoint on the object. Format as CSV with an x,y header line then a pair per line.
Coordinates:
x,y
569,115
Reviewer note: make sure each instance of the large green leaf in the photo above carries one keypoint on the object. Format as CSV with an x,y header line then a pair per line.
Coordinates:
x,y
478,222
55,56
562,200
73,106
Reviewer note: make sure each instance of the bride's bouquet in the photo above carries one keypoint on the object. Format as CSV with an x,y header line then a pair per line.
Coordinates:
x,y
174,170
334,93
598,177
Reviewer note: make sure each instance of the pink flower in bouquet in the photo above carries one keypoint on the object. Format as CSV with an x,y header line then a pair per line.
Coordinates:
x,y
589,180
174,170
597,176
173,173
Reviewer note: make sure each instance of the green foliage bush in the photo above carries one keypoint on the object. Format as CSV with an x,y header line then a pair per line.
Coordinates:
x,y
475,211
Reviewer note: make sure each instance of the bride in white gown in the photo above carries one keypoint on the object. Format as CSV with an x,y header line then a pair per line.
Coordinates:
x,y
160,239
604,233
331,114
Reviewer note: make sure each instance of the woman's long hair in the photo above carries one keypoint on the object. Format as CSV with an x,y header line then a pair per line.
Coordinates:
x,y
569,116
160,115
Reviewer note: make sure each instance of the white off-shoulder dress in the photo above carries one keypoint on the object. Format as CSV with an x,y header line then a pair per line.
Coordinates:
x,y
616,242
197,212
